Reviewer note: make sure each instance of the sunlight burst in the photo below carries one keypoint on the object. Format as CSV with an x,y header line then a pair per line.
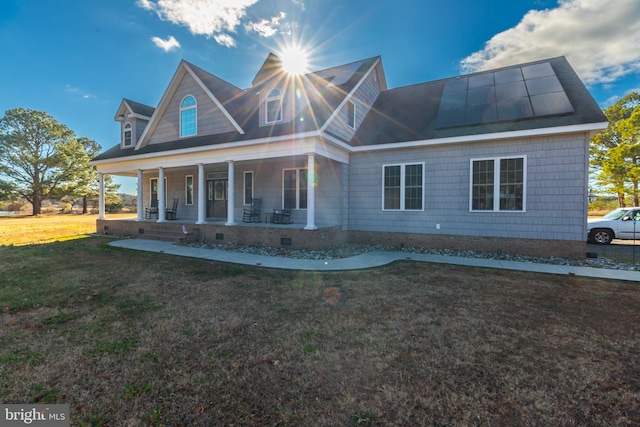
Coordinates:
x,y
294,60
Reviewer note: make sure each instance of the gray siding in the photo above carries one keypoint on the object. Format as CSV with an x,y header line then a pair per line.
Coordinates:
x,y
267,175
363,98
211,120
555,189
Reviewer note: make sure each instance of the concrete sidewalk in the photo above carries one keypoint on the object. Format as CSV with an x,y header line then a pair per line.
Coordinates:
x,y
366,260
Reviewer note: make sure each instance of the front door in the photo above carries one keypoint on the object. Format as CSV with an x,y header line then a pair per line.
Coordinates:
x,y
217,198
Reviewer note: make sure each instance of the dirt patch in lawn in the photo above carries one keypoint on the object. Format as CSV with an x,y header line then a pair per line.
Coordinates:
x,y
132,338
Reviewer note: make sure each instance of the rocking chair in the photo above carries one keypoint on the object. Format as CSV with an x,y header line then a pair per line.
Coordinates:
x,y
282,216
253,214
151,210
171,213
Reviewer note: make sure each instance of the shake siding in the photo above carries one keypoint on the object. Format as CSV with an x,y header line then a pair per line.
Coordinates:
x,y
555,190
363,98
210,119
267,175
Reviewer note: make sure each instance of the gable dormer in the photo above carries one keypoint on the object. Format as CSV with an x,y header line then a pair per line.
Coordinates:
x,y
134,118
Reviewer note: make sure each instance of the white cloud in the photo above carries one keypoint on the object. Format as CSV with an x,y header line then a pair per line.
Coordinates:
x,y
266,27
225,40
77,91
211,18
166,45
600,39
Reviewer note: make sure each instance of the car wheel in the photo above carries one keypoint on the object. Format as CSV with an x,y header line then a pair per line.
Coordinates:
x,y
601,236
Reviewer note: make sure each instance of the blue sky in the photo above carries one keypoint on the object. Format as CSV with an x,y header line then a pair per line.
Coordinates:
x,y
76,60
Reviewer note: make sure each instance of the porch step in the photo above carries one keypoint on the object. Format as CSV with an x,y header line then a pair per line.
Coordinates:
x,y
167,234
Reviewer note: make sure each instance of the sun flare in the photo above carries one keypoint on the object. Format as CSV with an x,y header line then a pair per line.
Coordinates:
x,y
294,60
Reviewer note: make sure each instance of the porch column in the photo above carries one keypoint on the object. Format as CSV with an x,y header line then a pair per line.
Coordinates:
x,y
100,196
231,196
162,203
140,207
202,203
311,193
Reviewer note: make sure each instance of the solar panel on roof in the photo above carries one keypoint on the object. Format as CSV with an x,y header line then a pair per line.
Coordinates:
x,y
508,76
514,109
537,70
551,103
481,80
542,85
512,94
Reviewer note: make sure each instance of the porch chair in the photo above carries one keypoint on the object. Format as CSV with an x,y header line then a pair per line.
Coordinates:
x,y
281,216
253,214
151,210
171,213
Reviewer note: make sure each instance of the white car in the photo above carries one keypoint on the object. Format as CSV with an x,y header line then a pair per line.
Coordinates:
x,y
623,223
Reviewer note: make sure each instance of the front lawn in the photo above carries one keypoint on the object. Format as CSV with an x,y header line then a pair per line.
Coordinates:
x,y
134,338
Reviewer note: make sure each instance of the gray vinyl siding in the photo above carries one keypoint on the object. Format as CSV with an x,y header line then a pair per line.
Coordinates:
x,y
363,98
175,188
267,176
211,120
556,184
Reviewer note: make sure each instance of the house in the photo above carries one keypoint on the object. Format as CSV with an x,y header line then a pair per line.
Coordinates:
x,y
491,161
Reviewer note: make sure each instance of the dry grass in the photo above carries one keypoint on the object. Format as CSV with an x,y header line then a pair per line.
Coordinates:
x,y
129,338
23,230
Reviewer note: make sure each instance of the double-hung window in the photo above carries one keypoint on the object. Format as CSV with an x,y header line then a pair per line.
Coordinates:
x,y
127,140
498,184
188,116
294,188
403,187
274,106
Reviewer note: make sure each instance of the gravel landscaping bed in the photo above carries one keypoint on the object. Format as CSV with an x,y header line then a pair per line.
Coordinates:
x,y
349,250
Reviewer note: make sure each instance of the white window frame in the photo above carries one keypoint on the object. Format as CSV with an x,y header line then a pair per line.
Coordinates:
x,y
244,188
124,135
186,189
151,187
403,186
185,109
297,206
351,117
270,99
496,184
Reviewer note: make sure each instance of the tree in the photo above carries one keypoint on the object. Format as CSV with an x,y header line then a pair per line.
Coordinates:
x,y
615,152
42,157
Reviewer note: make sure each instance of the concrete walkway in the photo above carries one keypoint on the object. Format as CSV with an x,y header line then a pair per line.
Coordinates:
x,y
366,260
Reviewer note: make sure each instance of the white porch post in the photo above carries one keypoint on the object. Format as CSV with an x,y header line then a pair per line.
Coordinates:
x,y
140,207
100,196
202,203
162,203
231,196
311,193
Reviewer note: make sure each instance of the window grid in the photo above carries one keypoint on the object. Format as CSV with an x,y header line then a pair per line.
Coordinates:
x,y
403,187
274,107
127,140
498,184
188,116
294,189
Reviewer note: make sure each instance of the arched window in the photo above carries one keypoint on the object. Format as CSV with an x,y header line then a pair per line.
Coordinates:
x,y
188,116
274,106
127,141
